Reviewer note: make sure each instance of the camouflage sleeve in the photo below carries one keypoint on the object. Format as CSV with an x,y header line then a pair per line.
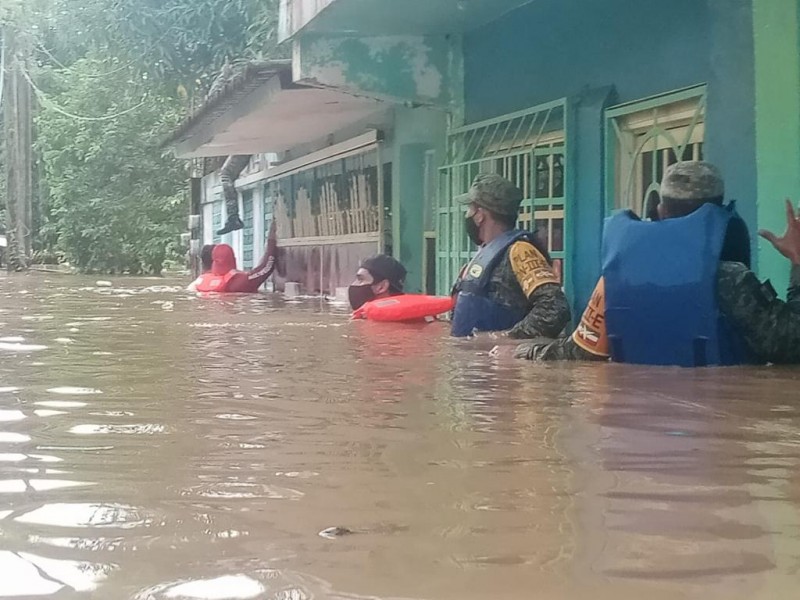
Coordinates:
x,y
793,297
561,349
770,326
548,315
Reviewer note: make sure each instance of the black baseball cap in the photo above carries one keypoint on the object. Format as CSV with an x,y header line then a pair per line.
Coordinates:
x,y
383,267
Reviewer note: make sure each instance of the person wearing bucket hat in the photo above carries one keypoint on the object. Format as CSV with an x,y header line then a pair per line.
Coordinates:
x,y
680,291
510,285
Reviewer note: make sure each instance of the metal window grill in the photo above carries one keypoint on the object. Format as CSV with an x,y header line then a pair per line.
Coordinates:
x,y
248,237
644,138
528,148
339,198
267,212
216,217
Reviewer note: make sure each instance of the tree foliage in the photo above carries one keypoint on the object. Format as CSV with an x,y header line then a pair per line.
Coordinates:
x,y
112,200
188,41
116,201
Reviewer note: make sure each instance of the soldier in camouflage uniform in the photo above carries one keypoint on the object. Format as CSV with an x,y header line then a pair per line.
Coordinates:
x,y
518,279
769,327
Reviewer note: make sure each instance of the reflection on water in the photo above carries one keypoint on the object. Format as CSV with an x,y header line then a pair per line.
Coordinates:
x,y
182,447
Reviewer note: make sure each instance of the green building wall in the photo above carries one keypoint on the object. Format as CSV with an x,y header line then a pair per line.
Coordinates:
x,y
776,34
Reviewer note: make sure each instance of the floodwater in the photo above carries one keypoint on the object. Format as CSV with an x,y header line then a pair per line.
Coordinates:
x,y
156,445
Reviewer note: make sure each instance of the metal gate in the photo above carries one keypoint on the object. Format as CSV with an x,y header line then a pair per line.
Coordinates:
x,y
330,210
529,149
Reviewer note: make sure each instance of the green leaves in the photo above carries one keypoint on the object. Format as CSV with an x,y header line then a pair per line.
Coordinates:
x,y
112,200
116,203
187,41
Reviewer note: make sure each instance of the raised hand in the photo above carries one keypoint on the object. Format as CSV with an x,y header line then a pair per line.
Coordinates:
x,y
272,238
789,243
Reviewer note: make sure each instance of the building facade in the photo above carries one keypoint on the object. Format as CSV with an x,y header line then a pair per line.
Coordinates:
x,y
582,104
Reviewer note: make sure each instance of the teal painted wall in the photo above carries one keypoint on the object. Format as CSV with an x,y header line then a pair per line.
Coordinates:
x,y
777,59
551,49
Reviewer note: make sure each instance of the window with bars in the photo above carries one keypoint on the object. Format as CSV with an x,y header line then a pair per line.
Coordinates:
x,y
267,211
529,149
216,217
248,237
646,137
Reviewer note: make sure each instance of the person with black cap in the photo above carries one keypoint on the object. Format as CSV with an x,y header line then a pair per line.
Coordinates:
x,y
679,291
380,276
510,285
377,294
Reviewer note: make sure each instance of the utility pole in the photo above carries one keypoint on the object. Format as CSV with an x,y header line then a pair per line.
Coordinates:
x,y
17,118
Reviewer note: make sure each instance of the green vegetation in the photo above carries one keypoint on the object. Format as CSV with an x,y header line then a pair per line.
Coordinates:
x,y
112,78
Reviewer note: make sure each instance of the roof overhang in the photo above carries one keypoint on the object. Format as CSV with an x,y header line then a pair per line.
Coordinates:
x,y
262,110
391,17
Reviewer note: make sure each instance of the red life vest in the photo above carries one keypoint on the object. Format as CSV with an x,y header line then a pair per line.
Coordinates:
x,y
208,282
406,307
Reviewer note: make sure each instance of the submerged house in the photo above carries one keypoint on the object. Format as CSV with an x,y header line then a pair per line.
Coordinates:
x,y
389,109
324,166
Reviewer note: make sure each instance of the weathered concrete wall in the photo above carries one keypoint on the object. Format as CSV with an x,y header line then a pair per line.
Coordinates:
x,y
407,69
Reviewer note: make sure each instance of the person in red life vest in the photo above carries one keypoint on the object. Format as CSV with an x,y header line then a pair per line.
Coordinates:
x,y
377,294
223,277
206,261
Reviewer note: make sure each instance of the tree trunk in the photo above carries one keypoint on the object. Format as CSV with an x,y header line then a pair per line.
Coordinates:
x,y
17,115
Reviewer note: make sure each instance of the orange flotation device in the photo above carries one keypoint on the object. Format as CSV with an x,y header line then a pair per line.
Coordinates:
x,y
209,283
223,268
406,307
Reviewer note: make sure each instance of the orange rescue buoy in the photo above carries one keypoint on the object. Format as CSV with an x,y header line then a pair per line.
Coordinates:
x,y
406,307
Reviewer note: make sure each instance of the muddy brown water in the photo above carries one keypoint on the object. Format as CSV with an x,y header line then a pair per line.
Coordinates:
x,y
156,445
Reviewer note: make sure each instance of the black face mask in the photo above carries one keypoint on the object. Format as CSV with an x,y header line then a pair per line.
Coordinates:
x,y
359,295
473,231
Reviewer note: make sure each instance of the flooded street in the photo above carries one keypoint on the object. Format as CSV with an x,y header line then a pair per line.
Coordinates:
x,y
157,445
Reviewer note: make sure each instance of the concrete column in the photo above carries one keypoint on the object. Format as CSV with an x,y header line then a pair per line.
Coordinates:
x,y
415,132
408,210
586,210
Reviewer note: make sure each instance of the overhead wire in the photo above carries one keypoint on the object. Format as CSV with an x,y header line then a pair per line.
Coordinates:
x,y
64,67
130,63
44,99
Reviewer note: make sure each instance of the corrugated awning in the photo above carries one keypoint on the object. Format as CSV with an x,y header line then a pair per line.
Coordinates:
x,y
263,110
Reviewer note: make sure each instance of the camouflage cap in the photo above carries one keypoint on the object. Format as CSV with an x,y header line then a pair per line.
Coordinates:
x,y
494,193
692,180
